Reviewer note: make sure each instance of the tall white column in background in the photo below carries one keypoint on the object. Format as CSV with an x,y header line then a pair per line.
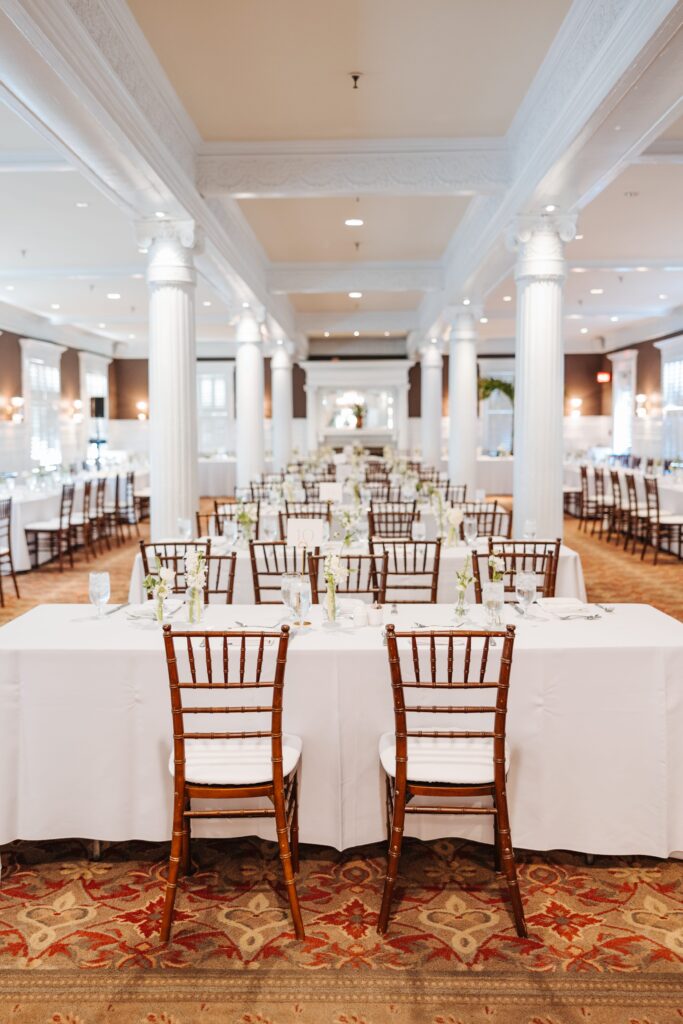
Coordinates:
x,y
539,373
172,375
282,407
249,441
462,401
430,404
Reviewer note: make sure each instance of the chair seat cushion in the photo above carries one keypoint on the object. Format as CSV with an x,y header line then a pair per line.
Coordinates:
x,y
458,762
144,492
236,762
668,520
3,552
48,525
77,519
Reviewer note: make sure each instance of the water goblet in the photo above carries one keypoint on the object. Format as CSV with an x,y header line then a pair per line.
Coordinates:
x,y
302,604
469,529
289,582
529,529
419,530
184,528
231,532
525,587
99,590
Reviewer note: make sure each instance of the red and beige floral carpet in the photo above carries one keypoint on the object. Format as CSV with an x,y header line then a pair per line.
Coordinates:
x,y
79,938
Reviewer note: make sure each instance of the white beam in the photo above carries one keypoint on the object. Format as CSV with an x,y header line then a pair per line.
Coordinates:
x,y
312,278
351,167
367,323
29,161
663,151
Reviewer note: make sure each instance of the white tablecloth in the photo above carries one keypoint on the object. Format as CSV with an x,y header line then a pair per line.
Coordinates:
x,y
595,730
570,582
670,492
217,476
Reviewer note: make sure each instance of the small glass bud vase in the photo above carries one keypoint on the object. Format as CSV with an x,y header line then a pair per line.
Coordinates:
x,y
159,607
195,605
461,606
331,605
493,595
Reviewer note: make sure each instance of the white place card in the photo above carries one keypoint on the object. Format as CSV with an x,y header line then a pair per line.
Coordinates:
x,y
330,492
304,533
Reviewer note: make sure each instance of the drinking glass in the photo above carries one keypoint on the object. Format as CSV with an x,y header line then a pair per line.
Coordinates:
x,y
525,587
419,531
289,582
529,529
99,589
231,531
301,592
269,528
184,528
469,529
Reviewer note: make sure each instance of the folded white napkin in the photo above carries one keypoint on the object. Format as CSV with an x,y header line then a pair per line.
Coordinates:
x,y
147,610
560,606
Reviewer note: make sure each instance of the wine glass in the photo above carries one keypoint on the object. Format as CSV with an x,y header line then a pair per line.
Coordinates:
x,y
184,528
469,529
419,530
525,587
231,531
99,589
289,582
529,529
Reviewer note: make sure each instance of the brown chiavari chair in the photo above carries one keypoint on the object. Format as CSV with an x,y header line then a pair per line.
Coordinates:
x,y
229,510
495,521
111,512
413,466
412,569
82,524
428,475
379,490
6,560
312,490
367,576
660,526
220,578
127,517
54,534
225,674
376,475
392,519
269,559
209,524
619,508
603,500
636,527
649,467
98,515
456,493
171,555
541,557
445,763
272,479
259,492
304,510
588,509
322,474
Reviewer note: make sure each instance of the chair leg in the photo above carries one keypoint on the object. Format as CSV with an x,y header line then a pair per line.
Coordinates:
x,y
173,866
509,866
294,828
185,859
497,854
395,843
2,596
286,860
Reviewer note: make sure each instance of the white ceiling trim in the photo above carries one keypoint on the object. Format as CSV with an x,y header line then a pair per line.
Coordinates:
x,y
365,322
663,151
384,167
29,161
369,276
33,325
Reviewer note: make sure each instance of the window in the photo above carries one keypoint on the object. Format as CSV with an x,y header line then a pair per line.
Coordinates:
x,y
672,398
41,385
215,406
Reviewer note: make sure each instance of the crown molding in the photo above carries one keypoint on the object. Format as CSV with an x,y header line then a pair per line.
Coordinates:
x,y
437,167
312,278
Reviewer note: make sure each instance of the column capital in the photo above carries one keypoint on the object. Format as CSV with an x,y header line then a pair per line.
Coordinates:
x,y
430,353
248,330
463,322
281,358
539,241
172,245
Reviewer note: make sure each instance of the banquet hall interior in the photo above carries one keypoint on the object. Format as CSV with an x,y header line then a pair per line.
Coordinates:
x,y
341,511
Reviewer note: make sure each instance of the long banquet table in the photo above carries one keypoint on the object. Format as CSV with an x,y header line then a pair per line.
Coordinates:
x,y
570,582
670,491
595,730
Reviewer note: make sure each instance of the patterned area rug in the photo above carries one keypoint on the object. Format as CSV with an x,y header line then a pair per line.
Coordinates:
x,y
77,936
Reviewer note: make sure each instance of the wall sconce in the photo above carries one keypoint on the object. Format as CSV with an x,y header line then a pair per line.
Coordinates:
x,y
77,410
142,410
575,407
641,405
15,409
603,376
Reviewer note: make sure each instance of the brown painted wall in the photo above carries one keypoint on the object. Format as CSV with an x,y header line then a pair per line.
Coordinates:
x,y
128,384
299,388
649,370
10,365
70,376
580,382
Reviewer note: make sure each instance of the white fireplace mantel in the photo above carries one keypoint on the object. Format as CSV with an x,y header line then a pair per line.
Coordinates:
x,y
359,374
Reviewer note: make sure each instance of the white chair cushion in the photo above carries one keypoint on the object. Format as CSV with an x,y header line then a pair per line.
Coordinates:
x,y
77,519
235,762
43,527
458,762
4,551
668,520
144,492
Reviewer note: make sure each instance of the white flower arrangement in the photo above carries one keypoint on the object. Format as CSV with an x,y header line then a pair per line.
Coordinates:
x,y
333,571
195,569
349,520
454,517
158,583
497,567
464,578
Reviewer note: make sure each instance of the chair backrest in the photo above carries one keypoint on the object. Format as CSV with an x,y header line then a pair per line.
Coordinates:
x,y
379,489
272,479
495,521
367,575
66,505
210,524
210,674
631,494
227,511
100,497
412,569
312,490
599,482
428,475
456,493
617,497
376,475
585,487
538,556
651,498
171,555
259,492
304,510
392,518
6,523
464,668
220,578
87,498
269,559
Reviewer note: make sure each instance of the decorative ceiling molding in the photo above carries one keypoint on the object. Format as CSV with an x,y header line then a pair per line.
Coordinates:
x,y
395,167
34,325
366,323
663,151
30,161
313,278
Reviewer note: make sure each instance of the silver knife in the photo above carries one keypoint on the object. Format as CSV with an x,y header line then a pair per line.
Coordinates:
x,y
118,608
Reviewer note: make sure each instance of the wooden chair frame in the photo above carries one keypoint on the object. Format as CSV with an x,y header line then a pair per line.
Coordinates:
x,y
495,521
228,510
6,546
401,790
367,574
304,510
171,554
392,519
269,560
541,557
419,559
213,649
656,531
60,538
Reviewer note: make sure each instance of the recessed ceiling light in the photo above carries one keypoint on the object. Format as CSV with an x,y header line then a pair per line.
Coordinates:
x,y
101,326
356,334
327,334
160,214
143,251
550,208
663,295
206,302
9,287
507,298
465,302
483,319
54,305
279,341
245,305
137,277
642,270
81,206
131,337
577,238
584,330
574,316
614,319
354,222
597,291
113,295
617,127
355,295
578,270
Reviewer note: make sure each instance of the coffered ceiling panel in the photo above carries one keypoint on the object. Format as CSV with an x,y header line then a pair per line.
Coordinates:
x,y
394,228
370,302
267,69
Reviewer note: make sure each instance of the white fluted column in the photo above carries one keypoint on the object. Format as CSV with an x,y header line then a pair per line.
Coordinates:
x,y
462,401
249,400
172,376
430,404
282,407
539,374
